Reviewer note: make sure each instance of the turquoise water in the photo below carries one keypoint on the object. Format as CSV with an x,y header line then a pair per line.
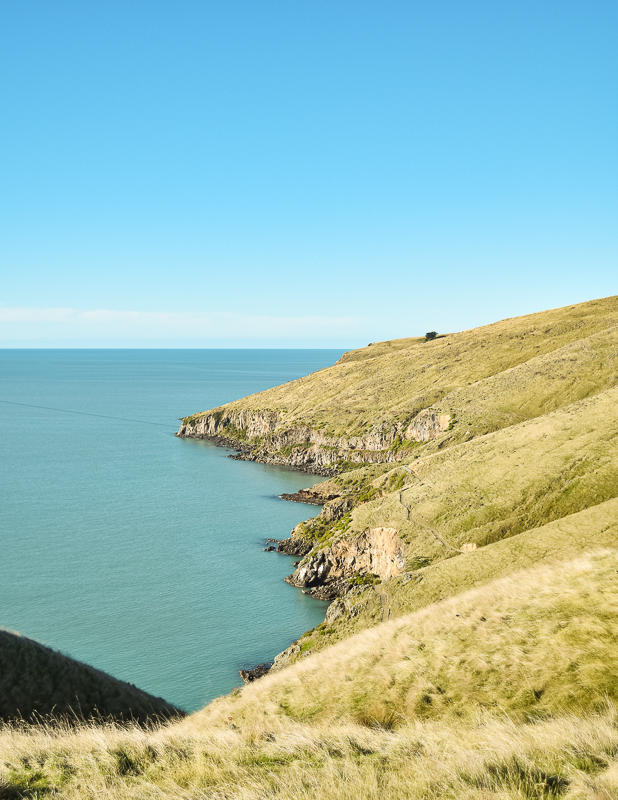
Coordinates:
x,y
132,550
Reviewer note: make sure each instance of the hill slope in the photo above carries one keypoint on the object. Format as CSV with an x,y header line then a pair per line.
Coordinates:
x,y
471,648
36,681
377,404
505,692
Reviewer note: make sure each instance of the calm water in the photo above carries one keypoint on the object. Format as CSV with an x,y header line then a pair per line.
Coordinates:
x,y
132,550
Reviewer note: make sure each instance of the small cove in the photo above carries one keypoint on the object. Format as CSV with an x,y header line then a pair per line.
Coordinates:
x,y
132,550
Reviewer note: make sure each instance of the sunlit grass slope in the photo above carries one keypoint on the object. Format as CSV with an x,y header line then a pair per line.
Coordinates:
x,y
391,382
505,691
506,482
369,605
491,487
534,643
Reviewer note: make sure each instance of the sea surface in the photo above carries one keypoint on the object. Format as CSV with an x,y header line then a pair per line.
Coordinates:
x,y
130,549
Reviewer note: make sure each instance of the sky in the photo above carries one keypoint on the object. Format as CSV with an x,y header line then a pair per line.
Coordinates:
x,y
278,173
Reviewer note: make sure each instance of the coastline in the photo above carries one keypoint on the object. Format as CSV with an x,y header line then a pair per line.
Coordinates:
x,y
246,453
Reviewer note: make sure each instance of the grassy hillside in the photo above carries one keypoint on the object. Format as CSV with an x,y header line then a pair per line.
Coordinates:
x,y
505,692
472,650
387,399
36,682
529,645
368,605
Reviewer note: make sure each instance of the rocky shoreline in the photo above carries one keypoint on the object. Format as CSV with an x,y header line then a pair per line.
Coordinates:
x,y
247,453
348,564
261,435
309,496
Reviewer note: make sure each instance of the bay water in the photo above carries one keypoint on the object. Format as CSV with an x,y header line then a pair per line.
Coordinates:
x,y
132,550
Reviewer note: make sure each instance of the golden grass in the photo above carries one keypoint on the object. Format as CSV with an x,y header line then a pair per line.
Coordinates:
x,y
531,644
505,483
557,541
310,732
393,381
573,757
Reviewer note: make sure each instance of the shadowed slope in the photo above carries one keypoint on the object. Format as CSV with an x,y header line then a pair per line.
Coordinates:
x,y
36,681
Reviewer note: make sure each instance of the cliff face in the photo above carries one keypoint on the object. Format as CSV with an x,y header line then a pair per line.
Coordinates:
x,y
264,436
377,551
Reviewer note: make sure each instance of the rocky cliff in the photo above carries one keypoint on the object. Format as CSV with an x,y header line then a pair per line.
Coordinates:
x,y
264,436
392,399
377,553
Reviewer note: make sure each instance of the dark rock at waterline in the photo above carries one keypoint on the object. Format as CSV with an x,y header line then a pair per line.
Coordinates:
x,y
309,496
250,675
269,549
294,546
329,591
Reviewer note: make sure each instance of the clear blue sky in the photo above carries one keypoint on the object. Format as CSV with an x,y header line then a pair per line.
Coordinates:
x,y
301,174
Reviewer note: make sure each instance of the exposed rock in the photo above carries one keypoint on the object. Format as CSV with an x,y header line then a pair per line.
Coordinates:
x,y
377,551
261,436
295,546
269,549
250,675
283,659
427,425
329,591
335,509
311,496
335,610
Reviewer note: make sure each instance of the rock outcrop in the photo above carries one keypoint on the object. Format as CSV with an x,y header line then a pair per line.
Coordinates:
x,y
377,552
260,435
310,496
295,546
250,675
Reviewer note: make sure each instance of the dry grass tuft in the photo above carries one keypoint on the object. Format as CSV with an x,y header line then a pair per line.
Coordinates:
x,y
490,757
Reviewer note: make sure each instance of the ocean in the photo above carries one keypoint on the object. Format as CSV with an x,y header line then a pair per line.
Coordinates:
x,y
132,550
